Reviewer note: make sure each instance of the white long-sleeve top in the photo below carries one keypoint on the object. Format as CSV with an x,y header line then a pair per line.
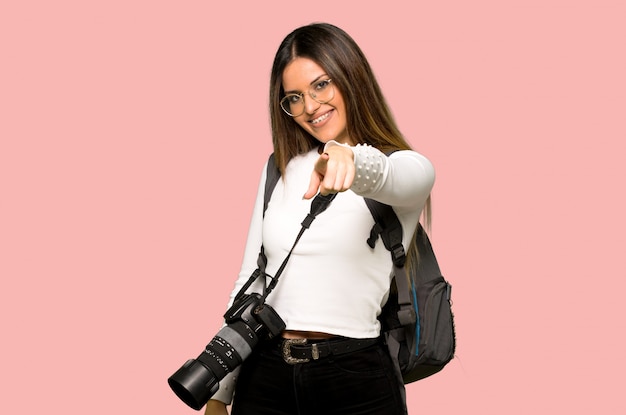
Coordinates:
x,y
333,282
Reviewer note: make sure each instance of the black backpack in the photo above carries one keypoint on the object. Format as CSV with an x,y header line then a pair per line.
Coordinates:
x,y
417,320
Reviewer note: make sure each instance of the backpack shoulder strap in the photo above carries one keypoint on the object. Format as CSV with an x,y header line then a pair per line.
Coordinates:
x,y
388,226
389,229
273,174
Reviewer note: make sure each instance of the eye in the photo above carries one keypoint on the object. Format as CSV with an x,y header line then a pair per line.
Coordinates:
x,y
293,98
321,85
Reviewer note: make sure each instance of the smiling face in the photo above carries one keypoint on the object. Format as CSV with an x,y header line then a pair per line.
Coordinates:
x,y
325,122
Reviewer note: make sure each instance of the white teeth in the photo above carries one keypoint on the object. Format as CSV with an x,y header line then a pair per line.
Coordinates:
x,y
319,119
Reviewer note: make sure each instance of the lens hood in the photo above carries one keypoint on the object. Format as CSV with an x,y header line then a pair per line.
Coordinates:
x,y
194,384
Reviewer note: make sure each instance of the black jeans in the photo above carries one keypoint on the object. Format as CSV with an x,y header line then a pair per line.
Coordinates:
x,y
358,383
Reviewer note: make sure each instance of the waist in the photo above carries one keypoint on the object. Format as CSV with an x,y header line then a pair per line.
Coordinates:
x,y
311,335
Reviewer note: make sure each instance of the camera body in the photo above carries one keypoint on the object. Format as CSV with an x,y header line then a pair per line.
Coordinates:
x,y
248,321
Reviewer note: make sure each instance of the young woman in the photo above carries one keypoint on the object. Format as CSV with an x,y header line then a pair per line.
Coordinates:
x,y
331,130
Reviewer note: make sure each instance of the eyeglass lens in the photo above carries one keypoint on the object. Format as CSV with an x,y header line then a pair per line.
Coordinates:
x,y
322,92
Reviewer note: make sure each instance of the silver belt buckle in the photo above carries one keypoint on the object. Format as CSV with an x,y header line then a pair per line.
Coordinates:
x,y
287,343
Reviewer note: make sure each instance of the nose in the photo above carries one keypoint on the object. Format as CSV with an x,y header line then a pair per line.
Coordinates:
x,y
310,105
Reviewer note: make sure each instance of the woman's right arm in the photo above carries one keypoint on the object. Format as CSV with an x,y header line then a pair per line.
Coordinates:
x,y
214,407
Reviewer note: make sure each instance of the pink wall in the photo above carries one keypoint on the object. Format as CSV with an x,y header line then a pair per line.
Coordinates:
x,y
133,134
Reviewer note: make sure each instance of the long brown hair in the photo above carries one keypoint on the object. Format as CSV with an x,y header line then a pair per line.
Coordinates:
x,y
369,120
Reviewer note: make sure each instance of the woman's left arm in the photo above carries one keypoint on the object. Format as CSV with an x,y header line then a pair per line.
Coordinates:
x,y
405,178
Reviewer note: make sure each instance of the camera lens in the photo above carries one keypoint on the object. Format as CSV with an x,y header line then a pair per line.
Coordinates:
x,y
197,380
229,348
194,384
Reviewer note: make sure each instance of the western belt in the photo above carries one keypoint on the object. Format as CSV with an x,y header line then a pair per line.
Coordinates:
x,y
305,350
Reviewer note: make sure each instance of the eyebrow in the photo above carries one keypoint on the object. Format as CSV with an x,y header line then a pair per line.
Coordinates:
x,y
312,82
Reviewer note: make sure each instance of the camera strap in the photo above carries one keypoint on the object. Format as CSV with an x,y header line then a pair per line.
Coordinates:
x,y
319,204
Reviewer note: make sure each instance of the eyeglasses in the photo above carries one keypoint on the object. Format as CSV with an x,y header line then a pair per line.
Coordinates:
x,y
322,91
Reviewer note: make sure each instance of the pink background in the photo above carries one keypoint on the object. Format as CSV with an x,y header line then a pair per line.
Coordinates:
x,y
133,134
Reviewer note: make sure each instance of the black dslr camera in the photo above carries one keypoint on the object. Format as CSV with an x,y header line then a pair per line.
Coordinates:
x,y
248,321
